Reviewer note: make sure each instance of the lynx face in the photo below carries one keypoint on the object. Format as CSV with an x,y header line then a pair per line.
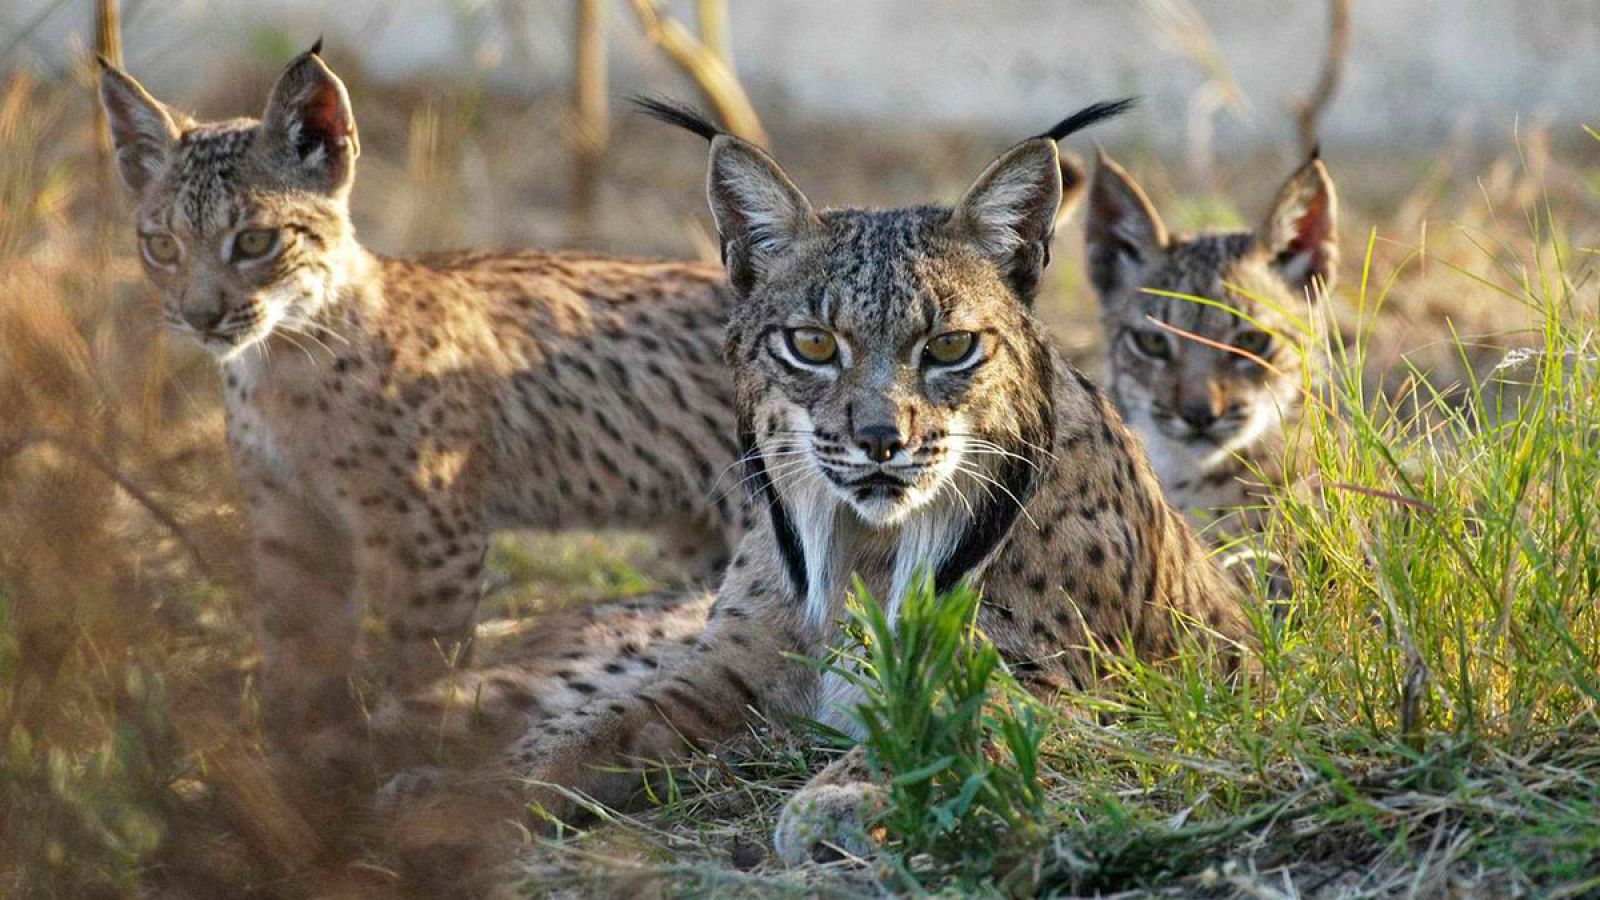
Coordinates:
x,y
882,341
880,360
1192,376
242,224
883,379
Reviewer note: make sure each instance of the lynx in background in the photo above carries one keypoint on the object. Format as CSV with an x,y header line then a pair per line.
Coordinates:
x,y
384,415
902,411
1213,392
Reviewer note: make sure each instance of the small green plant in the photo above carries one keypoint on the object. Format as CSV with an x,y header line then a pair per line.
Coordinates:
x,y
84,820
948,730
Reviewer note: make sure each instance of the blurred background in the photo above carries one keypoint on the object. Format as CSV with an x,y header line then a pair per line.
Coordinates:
x,y
1394,85
1416,70
502,122
132,760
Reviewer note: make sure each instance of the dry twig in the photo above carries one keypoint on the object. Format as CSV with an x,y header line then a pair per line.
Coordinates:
x,y
104,466
705,59
1308,111
589,127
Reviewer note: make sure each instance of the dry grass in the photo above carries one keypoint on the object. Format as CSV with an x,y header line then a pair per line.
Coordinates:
x,y
133,762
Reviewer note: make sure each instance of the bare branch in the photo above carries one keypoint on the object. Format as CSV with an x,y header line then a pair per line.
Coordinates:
x,y
1184,30
713,18
590,125
698,57
108,44
1309,111
98,462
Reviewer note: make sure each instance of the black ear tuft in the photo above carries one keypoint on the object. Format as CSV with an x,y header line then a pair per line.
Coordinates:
x,y
1090,115
316,48
677,113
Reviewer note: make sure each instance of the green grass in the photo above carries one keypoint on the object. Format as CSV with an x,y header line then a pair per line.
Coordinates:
x,y
1425,717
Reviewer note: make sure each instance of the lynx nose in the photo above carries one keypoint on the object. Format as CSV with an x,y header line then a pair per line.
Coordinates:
x,y
879,442
1199,415
201,319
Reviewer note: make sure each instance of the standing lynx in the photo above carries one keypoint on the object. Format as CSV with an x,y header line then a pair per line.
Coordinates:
x,y
385,414
902,411
1216,404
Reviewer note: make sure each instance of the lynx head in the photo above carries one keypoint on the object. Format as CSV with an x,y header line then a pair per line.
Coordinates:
x,y
1185,389
890,376
242,224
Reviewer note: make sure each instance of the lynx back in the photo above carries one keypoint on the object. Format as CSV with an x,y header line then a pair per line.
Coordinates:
x,y
384,415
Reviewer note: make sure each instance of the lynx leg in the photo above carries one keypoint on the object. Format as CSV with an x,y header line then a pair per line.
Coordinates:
x,y
309,617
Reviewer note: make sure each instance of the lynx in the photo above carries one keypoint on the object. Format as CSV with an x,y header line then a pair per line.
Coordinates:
x,y
1213,390
902,415
384,415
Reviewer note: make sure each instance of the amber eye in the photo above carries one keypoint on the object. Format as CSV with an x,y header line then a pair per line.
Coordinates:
x,y
814,345
1151,343
162,249
254,243
1255,343
950,348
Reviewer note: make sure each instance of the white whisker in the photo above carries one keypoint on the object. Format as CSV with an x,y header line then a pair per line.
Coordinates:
x,y
987,478
750,457
1026,443
772,472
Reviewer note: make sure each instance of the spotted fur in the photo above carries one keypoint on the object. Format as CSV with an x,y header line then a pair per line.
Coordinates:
x,y
1008,470
1216,422
385,415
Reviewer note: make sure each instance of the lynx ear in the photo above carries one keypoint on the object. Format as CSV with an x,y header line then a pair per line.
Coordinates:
x,y
1074,184
142,130
1010,211
759,212
308,128
1300,233
1123,232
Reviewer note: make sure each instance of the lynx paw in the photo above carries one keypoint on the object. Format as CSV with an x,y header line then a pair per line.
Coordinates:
x,y
410,787
826,822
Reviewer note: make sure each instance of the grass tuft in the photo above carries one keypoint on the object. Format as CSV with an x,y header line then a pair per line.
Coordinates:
x,y
949,731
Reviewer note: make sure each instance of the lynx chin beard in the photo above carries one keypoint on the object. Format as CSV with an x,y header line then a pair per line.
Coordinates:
x,y
897,521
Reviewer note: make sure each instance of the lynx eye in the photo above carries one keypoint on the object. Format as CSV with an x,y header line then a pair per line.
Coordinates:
x,y
1151,343
950,348
814,345
162,249
1255,343
254,243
